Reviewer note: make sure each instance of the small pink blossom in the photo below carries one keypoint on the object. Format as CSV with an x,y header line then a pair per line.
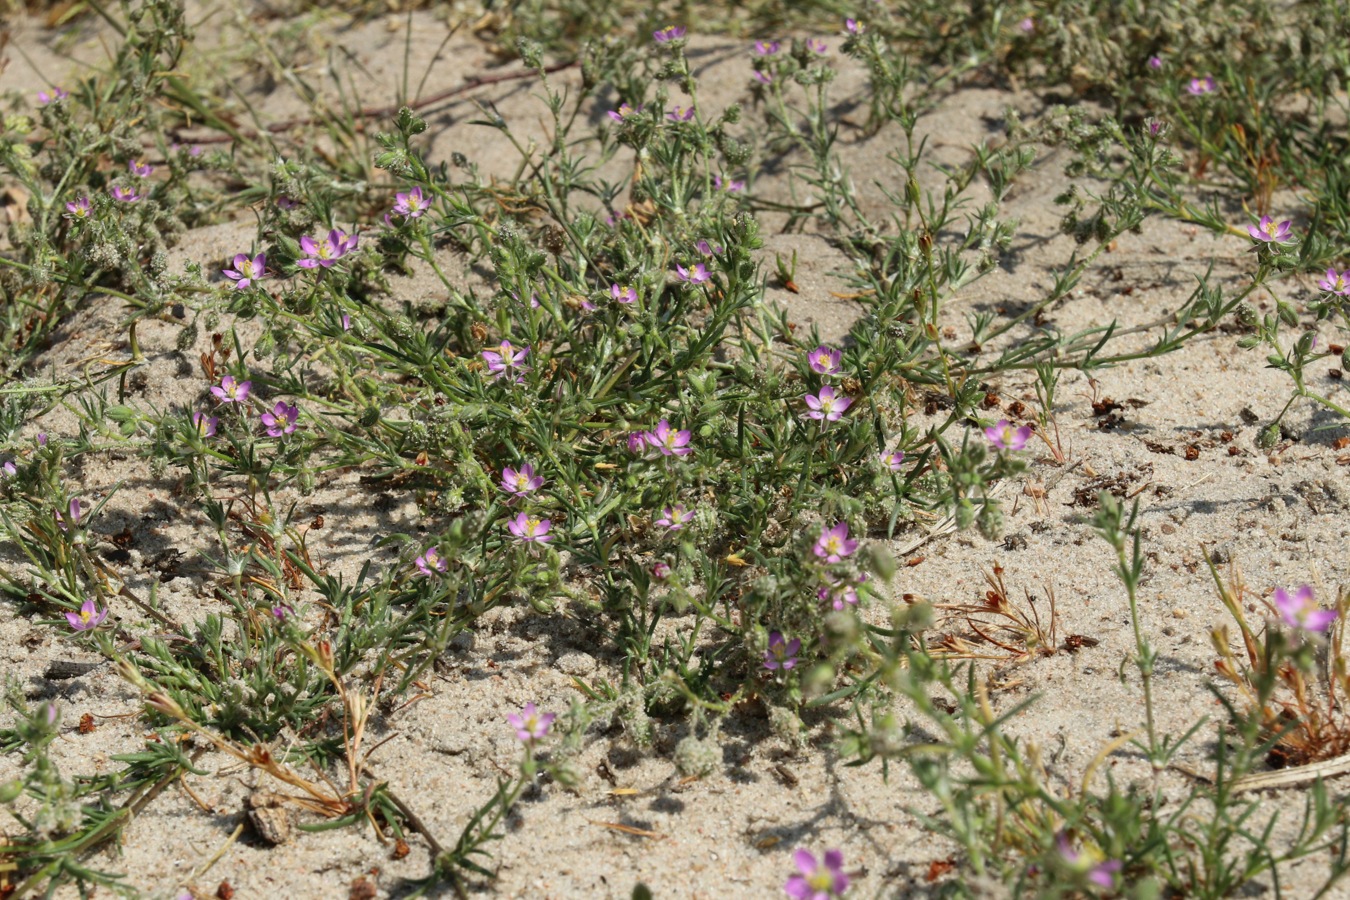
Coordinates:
x,y
1155,63
1336,284
698,274
824,360
56,94
820,48
1264,233
1299,611
637,442
838,594
530,529
78,209
140,168
661,571
762,77
1004,437
281,420
1027,25
853,26
88,618
531,725
327,249
827,406
669,34
624,111
205,425
246,271
767,48
819,880
76,515
782,653
506,359
125,195
668,441
412,204
680,114
623,293
431,563
730,187
834,543
893,460
1198,87
522,481
231,391
674,518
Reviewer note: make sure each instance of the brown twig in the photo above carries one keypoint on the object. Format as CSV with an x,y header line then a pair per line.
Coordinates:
x,y
373,112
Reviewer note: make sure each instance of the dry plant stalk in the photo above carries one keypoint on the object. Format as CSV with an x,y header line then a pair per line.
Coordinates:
x,y
1018,634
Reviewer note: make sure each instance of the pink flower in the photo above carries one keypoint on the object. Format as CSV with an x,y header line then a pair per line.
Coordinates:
x,y
205,425
893,460
696,275
708,249
1027,25
730,187
674,518
1263,232
762,77
246,271
530,724
838,594
782,654
637,442
88,618
767,48
669,441
834,544
817,881
668,34
1155,63
56,94
281,420
125,195
661,571
78,209
680,114
430,563
140,168
521,481
232,391
820,48
827,406
624,111
505,359
623,293
530,529
76,508
411,204
853,26
824,361
1336,284
1201,86
326,250
1004,437
1299,610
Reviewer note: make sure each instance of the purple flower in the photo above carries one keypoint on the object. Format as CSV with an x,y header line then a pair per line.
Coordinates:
x,y
827,406
824,361
531,725
346,322
411,204
139,168
1004,437
782,654
281,611
1103,874
232,391
287,203
430,562
853,26
624,111
730,187
88,618
817,881
78,209
673,518
696,275
9,468
668,441
125,195
1336,284
893,460
521,481
637,442
834,544
767,48
1201,86
56,94
77,508
708,249
623,293
1157,129
661,571
668,34
281,420
1263,232
506,358
680,114
530,529
838,593
820,48
326,250
762,77
1155,63
246,271
205,425
1299,611
1028,25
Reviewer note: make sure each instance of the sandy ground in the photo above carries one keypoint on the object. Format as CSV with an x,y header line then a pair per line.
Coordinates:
x,y
1279,513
